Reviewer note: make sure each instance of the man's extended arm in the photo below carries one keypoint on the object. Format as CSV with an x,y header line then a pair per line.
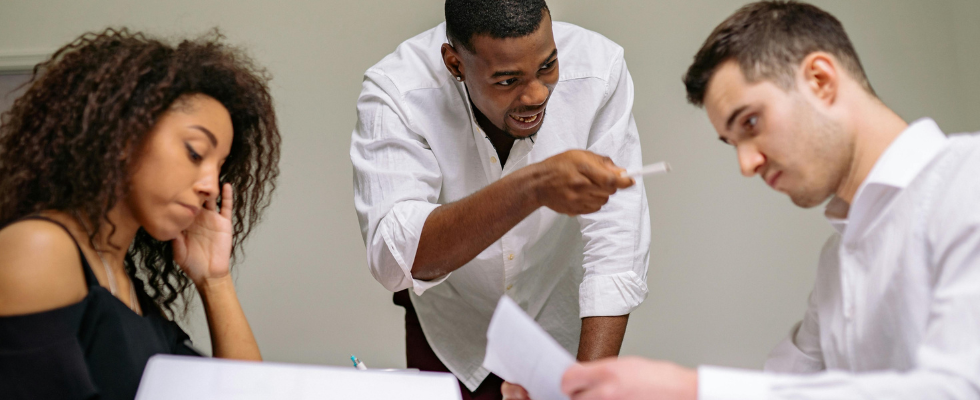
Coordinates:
x,y
574,182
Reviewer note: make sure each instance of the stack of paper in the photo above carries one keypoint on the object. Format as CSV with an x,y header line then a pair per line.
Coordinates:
x,y
170,377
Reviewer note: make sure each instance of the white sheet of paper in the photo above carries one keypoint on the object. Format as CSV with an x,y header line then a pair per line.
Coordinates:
x,y
655,168
169,377
520,352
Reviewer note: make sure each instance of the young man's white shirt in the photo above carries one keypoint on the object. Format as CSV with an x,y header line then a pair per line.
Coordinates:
x,y
417,146
895,309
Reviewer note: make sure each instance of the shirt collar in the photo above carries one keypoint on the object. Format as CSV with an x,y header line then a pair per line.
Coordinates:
x,y
902,161
895,169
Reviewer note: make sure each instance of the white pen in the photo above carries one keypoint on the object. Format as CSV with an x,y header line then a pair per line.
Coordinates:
x,y
358,363
656,168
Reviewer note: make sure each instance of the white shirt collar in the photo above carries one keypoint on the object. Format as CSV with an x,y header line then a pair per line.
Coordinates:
x,y
907,155
901,162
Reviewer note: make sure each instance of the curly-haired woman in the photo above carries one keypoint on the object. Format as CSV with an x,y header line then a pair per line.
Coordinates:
x,y
130,172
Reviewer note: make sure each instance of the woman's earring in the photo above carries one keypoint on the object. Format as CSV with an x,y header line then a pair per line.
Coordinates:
x,y
459,78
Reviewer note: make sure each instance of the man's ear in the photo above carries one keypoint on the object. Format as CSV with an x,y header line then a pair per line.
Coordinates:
x,y
821,76
453,61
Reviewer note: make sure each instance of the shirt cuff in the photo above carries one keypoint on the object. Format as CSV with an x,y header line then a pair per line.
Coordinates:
x,y
718,383
402,230
420,286
611,295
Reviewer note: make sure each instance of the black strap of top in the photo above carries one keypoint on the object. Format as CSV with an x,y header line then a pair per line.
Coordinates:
x,y
90,278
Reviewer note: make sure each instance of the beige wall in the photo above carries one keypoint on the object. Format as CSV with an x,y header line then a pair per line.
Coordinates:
x,y
10,88
967,35
732,261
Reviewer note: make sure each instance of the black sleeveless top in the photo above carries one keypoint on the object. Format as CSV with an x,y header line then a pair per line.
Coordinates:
x,y
94,349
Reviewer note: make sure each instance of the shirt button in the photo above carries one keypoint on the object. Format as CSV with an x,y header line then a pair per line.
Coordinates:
x,y
509,287
493,160
510,257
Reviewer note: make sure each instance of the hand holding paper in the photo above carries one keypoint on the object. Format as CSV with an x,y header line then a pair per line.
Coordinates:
x,y
519,351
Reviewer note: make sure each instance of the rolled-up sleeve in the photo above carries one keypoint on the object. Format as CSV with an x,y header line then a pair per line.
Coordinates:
x,y
397,182
617,237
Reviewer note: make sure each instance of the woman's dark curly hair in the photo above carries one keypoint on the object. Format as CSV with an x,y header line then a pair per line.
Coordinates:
x,y
70,141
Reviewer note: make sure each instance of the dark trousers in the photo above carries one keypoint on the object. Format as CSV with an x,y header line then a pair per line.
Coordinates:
x,y
419,354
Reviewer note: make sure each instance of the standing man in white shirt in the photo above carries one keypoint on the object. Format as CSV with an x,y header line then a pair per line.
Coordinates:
x,y
483,166
895,309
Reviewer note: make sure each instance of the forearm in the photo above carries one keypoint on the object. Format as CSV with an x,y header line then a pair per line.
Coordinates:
x,y
601,337
231,337
455,233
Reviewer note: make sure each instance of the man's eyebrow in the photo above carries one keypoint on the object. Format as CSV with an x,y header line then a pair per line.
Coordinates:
x,y
521,73
506,73
735,114
550,56
214,140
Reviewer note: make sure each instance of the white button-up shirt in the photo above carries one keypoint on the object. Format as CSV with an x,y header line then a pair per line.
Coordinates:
x,y
417,146
895,310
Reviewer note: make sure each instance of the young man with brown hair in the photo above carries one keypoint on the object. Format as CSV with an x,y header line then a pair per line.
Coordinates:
x,y
895,309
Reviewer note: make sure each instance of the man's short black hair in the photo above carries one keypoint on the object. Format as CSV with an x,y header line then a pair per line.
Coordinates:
x,y
498,19
768,40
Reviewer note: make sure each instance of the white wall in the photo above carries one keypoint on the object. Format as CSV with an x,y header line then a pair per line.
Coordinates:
x,y
732,261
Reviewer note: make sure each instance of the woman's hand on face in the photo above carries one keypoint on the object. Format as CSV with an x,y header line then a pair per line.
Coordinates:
x,y
203,250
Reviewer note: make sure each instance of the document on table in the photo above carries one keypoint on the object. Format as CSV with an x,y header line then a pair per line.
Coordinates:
x,y
520,352
169,377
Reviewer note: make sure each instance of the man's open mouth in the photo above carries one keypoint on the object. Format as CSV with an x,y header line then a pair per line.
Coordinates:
x,y
526,120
